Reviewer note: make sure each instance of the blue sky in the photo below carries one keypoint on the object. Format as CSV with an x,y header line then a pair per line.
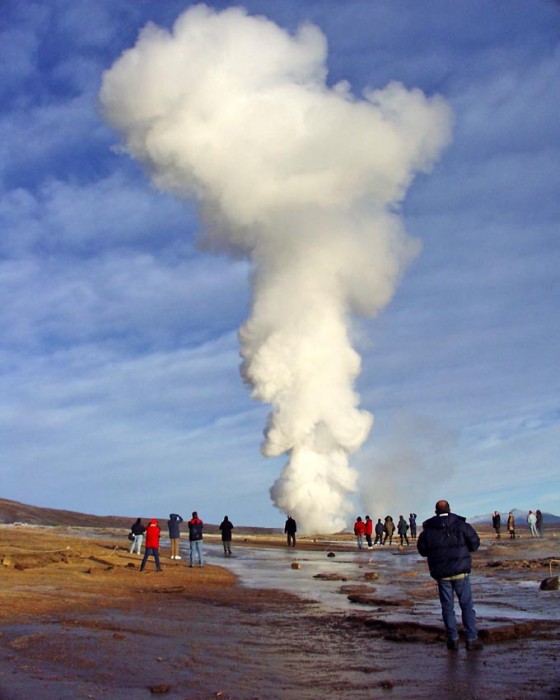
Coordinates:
x,y
120,390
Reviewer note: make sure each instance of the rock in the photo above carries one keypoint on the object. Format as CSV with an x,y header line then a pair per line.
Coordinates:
x,y
371,599
355,589
371,576
331,577
551,583
296,565
331,554
6,562
160,689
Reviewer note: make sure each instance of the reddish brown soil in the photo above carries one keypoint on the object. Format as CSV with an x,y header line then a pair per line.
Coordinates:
x,y
78,620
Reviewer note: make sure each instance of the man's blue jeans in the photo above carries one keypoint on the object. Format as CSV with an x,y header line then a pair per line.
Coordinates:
x,y
462,589
196,545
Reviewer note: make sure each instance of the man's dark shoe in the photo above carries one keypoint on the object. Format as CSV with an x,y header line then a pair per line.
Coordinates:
x,y
453,644
474,645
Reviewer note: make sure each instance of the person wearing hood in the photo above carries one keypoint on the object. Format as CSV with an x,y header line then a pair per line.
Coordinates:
x,y
447,540
174,533
152,544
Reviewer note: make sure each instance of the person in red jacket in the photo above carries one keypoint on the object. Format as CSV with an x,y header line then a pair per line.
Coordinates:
x,y
152,544
359,529
368,525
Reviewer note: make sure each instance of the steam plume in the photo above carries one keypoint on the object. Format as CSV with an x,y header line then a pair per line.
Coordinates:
x,y
302,178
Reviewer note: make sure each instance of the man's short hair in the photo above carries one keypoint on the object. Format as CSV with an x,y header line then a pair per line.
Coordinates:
x,y
442,507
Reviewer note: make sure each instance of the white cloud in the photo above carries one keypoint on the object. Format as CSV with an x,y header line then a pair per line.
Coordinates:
x,y
117,338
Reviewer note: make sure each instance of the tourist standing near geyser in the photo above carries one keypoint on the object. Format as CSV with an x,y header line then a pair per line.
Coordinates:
x,y
448,540
304,179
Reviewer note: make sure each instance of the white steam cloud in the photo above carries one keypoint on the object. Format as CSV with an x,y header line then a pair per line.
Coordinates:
x,y
302,178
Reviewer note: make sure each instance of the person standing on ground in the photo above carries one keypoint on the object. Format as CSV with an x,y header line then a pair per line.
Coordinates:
x,y
496,523
379,530
532,523
447,540
290,529
152,544
368,530
359,529
174,533
138,531
388,529
511,525
226,526
195,539
402,529
538,523
412,522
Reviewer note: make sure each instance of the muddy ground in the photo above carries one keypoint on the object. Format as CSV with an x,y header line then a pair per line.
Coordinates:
x,y
78,620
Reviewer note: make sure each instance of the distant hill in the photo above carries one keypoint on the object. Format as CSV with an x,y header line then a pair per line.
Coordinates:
x,y
520,518
14,512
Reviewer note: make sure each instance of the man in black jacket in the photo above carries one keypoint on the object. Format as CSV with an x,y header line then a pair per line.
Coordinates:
x,y
448,540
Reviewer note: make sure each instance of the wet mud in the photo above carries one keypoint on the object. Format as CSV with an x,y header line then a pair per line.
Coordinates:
x,y
90,625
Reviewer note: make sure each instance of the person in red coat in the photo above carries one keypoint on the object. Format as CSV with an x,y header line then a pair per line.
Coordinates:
x,y
368,525
152,544
359,529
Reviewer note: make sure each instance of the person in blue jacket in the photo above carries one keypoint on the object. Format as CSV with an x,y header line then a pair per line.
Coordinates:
x,y
174,533
447,540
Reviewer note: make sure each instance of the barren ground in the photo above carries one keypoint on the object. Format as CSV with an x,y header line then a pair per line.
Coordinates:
x,y
78,620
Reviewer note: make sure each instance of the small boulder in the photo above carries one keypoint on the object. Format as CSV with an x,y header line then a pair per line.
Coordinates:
x,y
296,565
331,577
552,583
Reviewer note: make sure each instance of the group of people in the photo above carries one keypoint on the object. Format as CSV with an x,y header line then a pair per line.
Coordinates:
x,y
447,541
534,521
384,530
152,533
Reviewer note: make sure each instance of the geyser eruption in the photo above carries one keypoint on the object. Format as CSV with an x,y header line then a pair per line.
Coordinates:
x,y
304,179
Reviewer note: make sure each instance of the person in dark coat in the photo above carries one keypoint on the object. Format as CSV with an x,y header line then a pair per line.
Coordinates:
x,y
447,540
290,529
402,529
412,522
137,531
379,530
497,523
195,539
174,533
538,515
226,526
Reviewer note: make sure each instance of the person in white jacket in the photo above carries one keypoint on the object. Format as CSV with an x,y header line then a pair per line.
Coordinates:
x,y
532,522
